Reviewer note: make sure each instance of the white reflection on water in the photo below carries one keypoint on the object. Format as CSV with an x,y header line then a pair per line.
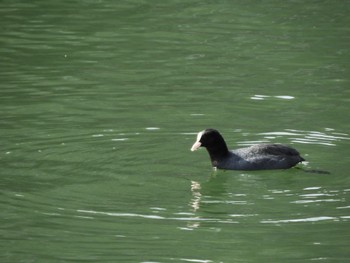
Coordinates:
x,y
312,188
121,214
310,219
197,114
315,201
152,216
119,139
328,138
316,195
196,260
321,195
343,207
97,135
264,97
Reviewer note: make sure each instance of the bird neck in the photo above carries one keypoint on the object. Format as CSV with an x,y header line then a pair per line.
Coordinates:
x,y
218,152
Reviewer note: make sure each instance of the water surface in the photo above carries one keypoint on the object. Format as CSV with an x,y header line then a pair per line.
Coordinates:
x,y
101,101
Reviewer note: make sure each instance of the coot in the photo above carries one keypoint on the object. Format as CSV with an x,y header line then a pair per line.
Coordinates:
x,y
256,157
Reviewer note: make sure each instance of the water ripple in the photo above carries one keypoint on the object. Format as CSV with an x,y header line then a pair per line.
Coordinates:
x,y
264,97
157,217
315,201
328,138
298,220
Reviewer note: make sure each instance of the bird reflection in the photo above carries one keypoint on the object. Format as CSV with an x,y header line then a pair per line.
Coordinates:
x,y
215,186
196,195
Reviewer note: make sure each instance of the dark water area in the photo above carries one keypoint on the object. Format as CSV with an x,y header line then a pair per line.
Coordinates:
x,y
100,103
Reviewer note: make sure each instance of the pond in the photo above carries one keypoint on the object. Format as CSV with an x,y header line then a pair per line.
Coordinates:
x,y
101,102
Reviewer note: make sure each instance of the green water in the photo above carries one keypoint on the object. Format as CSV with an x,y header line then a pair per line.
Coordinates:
x,y
100,103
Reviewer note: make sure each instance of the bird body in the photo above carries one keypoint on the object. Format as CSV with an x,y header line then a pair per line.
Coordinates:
x,y
255,157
